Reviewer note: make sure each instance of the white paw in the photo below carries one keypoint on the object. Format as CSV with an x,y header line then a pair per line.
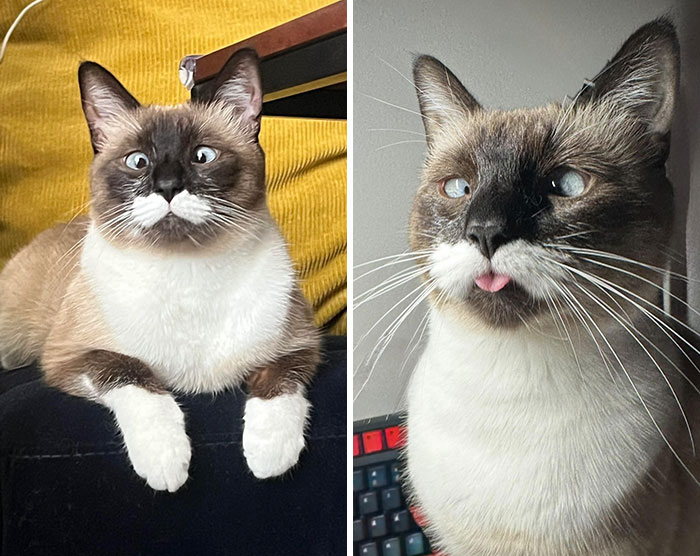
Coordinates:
x,y
273,434
153,427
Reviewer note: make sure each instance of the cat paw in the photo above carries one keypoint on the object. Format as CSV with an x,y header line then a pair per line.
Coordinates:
x,y
273,435
161,457
153,427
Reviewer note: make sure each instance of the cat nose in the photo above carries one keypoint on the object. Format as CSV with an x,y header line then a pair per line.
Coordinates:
x,y
168,189
488,237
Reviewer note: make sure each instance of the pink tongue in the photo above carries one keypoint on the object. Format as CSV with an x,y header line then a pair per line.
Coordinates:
x,y
491,282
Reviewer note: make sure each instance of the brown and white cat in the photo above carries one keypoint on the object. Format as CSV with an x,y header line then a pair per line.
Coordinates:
x,y
549,414
178,281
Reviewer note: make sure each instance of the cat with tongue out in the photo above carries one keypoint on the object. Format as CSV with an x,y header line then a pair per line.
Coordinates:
x,y
491,282
549,414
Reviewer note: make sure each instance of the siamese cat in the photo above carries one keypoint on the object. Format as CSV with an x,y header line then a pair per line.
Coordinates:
x,y
179,280
551,411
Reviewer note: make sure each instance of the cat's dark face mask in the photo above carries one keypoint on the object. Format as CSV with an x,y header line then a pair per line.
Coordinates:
x,y
550,211
181,176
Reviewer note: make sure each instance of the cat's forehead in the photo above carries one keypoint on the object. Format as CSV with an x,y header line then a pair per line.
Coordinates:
x,y
521,125
174,125
495,134
589,136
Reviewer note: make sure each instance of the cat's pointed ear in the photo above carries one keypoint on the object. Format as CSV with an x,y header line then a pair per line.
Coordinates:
x,y
239,84
440,95
103,99
643,76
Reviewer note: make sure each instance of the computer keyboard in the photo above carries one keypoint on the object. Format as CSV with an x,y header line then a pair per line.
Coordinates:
x,y
383,524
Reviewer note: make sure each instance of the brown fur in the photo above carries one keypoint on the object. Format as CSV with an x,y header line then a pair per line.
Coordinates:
x,y
298,365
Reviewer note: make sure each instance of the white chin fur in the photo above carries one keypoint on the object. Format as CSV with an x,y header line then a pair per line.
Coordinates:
x,y
148,210
454,267
190,207
273,436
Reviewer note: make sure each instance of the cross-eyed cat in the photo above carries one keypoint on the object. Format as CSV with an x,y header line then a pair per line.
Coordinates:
x,y
179,280
549,414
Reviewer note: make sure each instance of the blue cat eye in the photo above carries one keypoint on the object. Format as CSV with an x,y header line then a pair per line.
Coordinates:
x,y
454,188
569,183
204,155
137,160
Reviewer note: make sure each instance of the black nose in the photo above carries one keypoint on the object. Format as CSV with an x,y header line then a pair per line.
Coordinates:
x,y
168,189
488,237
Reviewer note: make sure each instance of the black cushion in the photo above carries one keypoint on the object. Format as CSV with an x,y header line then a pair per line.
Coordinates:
x,y
67,486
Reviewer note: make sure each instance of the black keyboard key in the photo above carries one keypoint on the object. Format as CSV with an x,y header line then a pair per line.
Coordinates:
x,y
358,530
391,547
369,549
415,544
358,480
391,498
400,521
395,474
369,503
377,476
377,526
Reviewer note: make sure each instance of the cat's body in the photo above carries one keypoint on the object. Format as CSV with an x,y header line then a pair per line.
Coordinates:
x,y
208,319
178,281
527,459
201,321
541,412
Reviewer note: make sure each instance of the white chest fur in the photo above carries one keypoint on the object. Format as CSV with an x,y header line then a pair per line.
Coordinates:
x,y
199,321
508,440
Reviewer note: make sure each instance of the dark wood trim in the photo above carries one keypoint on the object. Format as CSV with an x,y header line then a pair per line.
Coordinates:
x,y
328,103
311,27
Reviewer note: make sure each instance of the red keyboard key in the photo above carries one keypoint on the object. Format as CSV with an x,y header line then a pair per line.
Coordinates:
x,y
356,445
372,441
395,437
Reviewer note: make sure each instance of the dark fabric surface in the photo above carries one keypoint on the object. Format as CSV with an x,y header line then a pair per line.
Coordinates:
x,y
66,486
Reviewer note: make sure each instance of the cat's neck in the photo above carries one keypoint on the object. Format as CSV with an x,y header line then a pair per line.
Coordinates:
x,y
198,321
515,362
242,246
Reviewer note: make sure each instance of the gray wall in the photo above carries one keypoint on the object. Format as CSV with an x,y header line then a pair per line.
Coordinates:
x,y
508,54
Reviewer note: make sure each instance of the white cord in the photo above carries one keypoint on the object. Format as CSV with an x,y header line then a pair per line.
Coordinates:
x,y
28,7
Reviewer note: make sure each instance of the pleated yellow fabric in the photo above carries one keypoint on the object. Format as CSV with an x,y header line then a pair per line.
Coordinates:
x,y
44,142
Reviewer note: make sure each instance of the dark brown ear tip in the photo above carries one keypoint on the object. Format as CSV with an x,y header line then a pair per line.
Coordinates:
x,y
421,61
250,52
660,30
664,26
245,54
424,64
86,67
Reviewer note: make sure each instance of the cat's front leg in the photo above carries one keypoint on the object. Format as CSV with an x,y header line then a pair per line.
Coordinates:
x,y
151,422
276,414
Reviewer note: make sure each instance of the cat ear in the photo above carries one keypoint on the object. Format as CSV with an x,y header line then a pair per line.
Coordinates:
x,y
440,94
239,83
643,76
103,99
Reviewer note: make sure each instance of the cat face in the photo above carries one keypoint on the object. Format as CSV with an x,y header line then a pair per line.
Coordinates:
x,y
512,203
182,176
